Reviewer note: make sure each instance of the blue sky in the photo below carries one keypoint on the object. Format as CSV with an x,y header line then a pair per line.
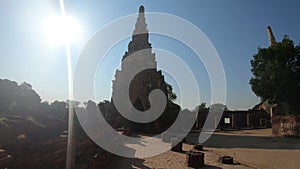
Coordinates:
x,y
236,29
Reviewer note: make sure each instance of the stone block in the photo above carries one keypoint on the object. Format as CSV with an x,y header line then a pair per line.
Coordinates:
x,y
198,147
2,153
226,160
195,159
176,144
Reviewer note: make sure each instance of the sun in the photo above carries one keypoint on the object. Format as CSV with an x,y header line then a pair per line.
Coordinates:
x,y
62,29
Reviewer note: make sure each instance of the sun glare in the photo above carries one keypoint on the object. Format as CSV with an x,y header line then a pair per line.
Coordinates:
x,y
62,29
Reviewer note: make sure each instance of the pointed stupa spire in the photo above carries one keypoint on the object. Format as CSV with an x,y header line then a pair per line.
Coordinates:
x,y
272,40
140,25
140,37
142,9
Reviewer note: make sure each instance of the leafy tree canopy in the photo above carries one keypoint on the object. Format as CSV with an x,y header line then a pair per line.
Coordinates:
x,y
171,95
218,107
215,107
276,75
18,98
202,107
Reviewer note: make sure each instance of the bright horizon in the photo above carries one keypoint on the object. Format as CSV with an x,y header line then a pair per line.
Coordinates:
x,y
235,28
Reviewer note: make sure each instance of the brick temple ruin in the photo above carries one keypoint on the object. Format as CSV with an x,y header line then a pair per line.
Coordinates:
x,y
41,142
234,120
282,124
140,54
140,51
288,126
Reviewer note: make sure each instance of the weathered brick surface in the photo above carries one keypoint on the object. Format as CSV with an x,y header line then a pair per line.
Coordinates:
x,y
140,67
238,119
2,153
286,126
50,153
195,159
5,159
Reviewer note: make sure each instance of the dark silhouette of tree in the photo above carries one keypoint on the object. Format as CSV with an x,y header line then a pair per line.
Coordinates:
x,y
27,100
75,103
276,75
22,100
8,92
218,107
202,107
44,107
171,95
18,99
58,109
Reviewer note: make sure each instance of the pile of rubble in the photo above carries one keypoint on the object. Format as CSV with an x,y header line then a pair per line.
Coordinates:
x,y
5,159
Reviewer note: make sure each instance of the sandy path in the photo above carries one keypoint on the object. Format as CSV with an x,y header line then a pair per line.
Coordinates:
x,y
252,148
170,160
257,148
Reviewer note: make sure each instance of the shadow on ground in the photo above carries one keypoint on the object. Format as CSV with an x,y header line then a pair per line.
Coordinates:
x,y
127,163
210,167
221,140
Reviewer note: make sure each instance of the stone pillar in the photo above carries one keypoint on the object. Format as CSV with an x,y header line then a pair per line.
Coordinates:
x,y
233,121
272,40
249,120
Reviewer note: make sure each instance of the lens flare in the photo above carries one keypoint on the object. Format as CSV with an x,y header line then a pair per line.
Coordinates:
x,y
62,29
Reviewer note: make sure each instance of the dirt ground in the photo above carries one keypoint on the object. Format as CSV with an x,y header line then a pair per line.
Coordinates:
x,y
172,160
257,148
250,149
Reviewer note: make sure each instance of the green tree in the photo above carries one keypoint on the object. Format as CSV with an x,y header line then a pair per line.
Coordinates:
x,y
18,99
171,95
218,107
8,92
58,109
27,100
202,107
276,75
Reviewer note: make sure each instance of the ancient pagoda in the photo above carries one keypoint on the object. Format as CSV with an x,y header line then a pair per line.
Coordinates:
x,y
144,82
140,53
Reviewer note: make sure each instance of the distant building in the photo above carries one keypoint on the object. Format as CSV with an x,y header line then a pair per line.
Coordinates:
x,y
237,119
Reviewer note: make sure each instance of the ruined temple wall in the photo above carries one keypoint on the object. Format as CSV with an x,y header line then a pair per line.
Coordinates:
x,y
238,119
260,118
286,125
51,154
143,84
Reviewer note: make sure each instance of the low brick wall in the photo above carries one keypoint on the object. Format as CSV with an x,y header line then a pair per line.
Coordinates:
x,y
41,143
286,126
51,154
5,159
237,119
